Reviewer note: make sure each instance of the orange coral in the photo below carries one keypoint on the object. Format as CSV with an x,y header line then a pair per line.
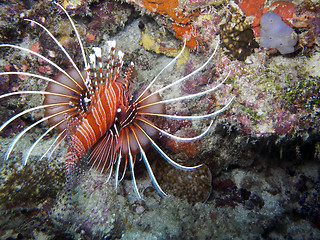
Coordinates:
x,y
284,9
168,7
188,32
182,19
191,149
253,8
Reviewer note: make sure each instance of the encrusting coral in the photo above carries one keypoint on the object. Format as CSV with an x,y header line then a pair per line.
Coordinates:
x,y
183,16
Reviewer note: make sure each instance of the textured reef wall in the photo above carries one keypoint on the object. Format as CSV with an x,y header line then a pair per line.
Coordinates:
x,y
261,172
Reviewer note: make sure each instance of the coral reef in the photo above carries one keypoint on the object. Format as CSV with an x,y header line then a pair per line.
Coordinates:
x,y
30,184
303,16
14,31
193,21
161,43
306,17
261,157
257,8
174,182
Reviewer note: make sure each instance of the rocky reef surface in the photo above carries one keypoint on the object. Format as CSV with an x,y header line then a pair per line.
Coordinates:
x,y
261,172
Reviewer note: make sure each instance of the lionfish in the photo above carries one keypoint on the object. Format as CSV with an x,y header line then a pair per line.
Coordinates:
x,y
95,109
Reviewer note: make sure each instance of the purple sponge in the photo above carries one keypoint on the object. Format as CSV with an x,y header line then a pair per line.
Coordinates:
x,y
276,34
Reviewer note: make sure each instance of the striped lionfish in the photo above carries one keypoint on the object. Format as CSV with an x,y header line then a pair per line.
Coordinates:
x,y
94,109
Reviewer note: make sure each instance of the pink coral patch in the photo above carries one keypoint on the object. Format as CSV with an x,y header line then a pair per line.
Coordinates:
x,y
35,47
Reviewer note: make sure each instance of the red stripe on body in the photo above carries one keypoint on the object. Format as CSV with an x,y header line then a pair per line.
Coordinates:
x,y
96,123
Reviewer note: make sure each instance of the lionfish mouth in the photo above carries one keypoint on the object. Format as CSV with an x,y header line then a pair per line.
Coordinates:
x,y
94,109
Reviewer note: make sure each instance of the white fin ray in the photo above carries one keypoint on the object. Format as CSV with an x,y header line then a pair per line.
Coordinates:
x,y
147,164
13,143
182,98
108,156
185,77
36,92
110,59
110,167
61,47
92,58
119,65
77,34
53,145
165,156
98,54
98,154
27,111
181,139
40,77
156,77
97,51
131,164
44,58
116,175
200,117
39,139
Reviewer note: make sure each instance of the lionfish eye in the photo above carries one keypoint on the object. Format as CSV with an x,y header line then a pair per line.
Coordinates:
x,y
85,101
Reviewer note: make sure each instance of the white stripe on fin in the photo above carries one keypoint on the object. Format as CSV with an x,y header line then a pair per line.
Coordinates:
x,y
111,44
92,58
97,51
